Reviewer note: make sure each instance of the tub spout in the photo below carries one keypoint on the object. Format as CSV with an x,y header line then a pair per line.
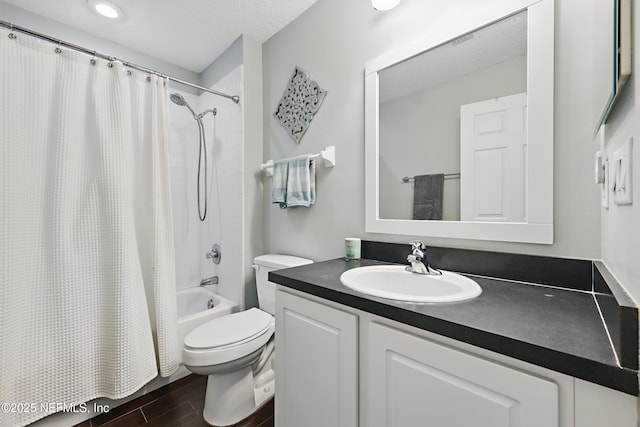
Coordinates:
x,y
213,280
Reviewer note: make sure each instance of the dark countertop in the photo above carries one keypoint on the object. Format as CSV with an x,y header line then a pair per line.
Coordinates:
x,y
551,327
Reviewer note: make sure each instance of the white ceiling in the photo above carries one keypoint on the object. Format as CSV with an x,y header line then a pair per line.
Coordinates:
x,y
188,33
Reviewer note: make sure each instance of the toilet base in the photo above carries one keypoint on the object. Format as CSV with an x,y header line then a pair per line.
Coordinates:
x,y
232,397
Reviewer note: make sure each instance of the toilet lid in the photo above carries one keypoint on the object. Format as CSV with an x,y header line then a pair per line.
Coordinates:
x,y
230,329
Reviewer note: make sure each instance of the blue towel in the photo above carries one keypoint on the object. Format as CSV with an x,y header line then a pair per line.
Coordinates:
x,y
279,182
294,182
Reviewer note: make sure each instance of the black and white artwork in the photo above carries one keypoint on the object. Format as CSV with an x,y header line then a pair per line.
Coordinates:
x,y
299,103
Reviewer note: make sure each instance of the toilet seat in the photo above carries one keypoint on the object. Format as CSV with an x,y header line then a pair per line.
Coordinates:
x,y
228,338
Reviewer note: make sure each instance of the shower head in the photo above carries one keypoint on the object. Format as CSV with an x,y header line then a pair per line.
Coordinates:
x,y
178,99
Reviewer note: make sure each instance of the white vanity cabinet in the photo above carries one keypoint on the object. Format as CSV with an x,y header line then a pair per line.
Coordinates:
x,y
316,364
413,381
598,406
340,366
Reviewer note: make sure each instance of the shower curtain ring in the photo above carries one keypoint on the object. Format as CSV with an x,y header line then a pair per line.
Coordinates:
x,y
11,35
58,50
93,59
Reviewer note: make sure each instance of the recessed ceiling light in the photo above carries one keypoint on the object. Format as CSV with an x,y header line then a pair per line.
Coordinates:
x,y
106,8
384,4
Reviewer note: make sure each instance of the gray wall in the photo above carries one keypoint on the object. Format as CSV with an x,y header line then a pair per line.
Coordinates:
x,y
332,41
224,64
252,205
621,224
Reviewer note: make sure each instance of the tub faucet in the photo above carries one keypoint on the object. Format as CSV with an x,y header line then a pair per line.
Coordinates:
x,y
213,280
418,259
215,254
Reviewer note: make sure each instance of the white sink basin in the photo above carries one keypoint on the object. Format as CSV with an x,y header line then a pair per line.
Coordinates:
x,y
394,282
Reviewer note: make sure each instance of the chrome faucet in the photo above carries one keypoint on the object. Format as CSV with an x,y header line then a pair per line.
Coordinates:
x,y
213,280
418,259
215,254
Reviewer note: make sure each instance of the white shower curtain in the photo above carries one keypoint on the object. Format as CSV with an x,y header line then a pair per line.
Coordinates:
x,y
87,290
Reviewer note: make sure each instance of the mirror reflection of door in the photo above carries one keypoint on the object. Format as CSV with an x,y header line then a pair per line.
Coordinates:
x,y
419,119
493,159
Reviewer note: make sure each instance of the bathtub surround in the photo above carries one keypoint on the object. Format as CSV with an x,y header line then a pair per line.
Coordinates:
x,y
88,281
193,239
235,155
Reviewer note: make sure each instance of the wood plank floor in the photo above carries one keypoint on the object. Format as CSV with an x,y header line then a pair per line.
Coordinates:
x,y
177,404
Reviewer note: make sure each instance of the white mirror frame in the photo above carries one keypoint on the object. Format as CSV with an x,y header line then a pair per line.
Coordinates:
x,y
540,51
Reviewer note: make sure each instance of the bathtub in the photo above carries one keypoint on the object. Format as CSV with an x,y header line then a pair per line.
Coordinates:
x,y
193,309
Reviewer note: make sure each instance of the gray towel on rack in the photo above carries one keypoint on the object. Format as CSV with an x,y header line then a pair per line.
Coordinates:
x,y
427,196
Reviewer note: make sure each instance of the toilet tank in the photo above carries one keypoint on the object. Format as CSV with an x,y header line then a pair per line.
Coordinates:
x,y
263,264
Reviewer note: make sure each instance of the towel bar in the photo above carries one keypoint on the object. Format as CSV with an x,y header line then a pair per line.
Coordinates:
x,y
446,176
328,155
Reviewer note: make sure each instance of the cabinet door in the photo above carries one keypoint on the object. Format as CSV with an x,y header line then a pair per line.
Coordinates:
x,y
415,382
316,364
598,406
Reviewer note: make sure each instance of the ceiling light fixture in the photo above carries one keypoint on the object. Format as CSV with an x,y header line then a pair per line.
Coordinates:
x,y
384,4
106,8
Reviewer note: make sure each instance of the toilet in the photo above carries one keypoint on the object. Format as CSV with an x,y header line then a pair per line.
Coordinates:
x,y
236,351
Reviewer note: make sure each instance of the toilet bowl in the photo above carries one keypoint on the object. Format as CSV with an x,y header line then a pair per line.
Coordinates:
x,y
236,351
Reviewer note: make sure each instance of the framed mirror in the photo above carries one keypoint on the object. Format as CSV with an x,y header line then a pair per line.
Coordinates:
x,y
459,129
611,55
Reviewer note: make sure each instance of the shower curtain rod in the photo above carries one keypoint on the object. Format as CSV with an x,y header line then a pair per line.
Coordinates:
x,y
59,42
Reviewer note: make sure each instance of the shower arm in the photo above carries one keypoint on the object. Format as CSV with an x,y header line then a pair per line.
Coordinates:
x,y
213,111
